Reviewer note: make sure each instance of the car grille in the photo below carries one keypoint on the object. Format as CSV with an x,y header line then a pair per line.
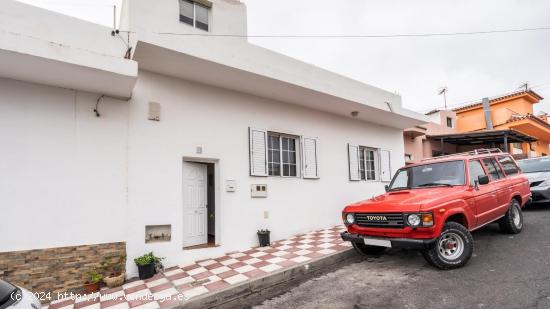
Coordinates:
x,y
535,183
384,220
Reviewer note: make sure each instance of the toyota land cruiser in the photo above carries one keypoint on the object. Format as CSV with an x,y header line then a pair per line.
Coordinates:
x,y
434,205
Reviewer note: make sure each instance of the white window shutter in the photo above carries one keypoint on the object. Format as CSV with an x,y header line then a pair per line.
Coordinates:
x,y
310,157
258,152
385,166
353,161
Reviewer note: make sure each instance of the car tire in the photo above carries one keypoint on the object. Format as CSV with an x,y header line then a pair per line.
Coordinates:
x,y
512,222
452,249
367,250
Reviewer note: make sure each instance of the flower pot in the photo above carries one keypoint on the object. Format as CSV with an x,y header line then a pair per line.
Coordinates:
x,y
263,238
146,271
114,281
91,287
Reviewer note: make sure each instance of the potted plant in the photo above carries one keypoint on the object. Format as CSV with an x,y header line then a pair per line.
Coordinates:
x,y
92,284
263,237
113,268
148,264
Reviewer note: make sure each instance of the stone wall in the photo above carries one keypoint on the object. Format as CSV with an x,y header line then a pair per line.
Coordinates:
x,y
58,269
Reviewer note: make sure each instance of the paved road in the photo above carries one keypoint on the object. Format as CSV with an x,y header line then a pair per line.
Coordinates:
x,y
505,272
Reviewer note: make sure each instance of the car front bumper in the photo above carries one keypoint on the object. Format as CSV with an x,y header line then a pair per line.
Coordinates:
x,y
395,242
540,194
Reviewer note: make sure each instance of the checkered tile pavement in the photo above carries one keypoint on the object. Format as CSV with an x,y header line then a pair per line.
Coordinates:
x,y
183,282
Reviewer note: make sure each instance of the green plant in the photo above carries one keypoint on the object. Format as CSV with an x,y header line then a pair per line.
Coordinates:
x,y
148,258
94,276
113,265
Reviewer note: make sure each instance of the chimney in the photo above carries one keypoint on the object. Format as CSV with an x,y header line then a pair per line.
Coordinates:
x,y
487,112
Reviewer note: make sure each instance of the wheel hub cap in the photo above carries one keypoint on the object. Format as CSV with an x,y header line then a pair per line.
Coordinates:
x,y
450,246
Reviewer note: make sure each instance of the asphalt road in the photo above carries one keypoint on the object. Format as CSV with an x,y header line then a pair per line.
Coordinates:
x,y
506,271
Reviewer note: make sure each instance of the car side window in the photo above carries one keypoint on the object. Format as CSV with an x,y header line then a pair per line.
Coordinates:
x,y
493,168
475,169
509,166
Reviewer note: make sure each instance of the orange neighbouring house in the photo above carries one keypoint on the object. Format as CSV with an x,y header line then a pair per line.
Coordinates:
x,y
512,111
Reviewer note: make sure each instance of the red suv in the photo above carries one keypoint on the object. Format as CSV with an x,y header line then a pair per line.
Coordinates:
x,y
434,205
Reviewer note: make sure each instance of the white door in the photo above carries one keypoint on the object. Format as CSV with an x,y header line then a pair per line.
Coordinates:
x,y
194,204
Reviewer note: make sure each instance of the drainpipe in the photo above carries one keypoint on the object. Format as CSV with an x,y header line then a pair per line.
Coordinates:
x,y
487,112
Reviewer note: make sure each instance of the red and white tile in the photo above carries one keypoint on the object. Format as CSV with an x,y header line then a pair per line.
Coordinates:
x,y
208,276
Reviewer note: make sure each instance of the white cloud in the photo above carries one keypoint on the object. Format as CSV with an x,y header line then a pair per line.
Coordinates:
x,y
470,66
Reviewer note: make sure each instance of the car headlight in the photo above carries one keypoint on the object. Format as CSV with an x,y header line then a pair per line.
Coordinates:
x,y
413,220
420,219
545,183
350,218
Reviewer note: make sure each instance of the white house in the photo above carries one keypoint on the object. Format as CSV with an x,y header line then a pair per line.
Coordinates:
x,y
187,148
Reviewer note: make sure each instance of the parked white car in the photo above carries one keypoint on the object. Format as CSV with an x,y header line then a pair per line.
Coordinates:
x,y
14,297
537,171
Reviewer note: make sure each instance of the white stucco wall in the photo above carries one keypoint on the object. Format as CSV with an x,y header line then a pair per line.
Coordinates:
x,y
63,170
70,178
217,120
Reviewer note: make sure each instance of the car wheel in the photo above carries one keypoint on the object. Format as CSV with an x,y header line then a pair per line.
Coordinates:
x,y
367,250
512,222
453,247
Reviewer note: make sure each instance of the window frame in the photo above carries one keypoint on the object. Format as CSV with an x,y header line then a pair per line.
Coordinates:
x,y
483,167
449,120
297,154
363,171
518,170
194,18
496,165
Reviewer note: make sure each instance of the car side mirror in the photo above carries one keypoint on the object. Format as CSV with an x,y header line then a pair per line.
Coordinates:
x,y
387,188
483,179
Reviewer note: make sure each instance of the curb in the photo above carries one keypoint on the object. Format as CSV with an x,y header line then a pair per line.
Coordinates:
x,y
255,291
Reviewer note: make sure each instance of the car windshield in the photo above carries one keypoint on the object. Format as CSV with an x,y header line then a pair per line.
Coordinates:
x,y
429,175
6,290
535,165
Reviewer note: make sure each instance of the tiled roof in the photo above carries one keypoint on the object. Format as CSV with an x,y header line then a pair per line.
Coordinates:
x,y
502,97
515,118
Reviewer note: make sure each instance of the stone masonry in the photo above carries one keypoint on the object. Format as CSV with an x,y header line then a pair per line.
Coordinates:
x,y
58,269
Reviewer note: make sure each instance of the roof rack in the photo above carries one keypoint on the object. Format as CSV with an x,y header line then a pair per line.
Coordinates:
x,y
468,153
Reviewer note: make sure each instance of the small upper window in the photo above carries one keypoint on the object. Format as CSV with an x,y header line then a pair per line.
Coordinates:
x,y
449,122
194,14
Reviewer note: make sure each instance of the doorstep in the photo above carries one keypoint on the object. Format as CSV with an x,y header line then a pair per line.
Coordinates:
x,y
219,280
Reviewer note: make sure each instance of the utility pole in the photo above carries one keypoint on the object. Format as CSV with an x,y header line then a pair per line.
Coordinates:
x,y
443,91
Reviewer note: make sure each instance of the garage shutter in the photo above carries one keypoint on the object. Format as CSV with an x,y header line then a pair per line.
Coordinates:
x,y
385,166
258,152
353,162
310,157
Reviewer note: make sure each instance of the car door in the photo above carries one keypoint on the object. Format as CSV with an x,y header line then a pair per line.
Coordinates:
x,y
501,184
484,196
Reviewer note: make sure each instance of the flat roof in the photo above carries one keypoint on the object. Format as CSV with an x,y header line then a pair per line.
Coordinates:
x,y
484,137
244,67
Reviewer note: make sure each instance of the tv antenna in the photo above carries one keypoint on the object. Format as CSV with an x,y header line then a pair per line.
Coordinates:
x,y
443,91
525,86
